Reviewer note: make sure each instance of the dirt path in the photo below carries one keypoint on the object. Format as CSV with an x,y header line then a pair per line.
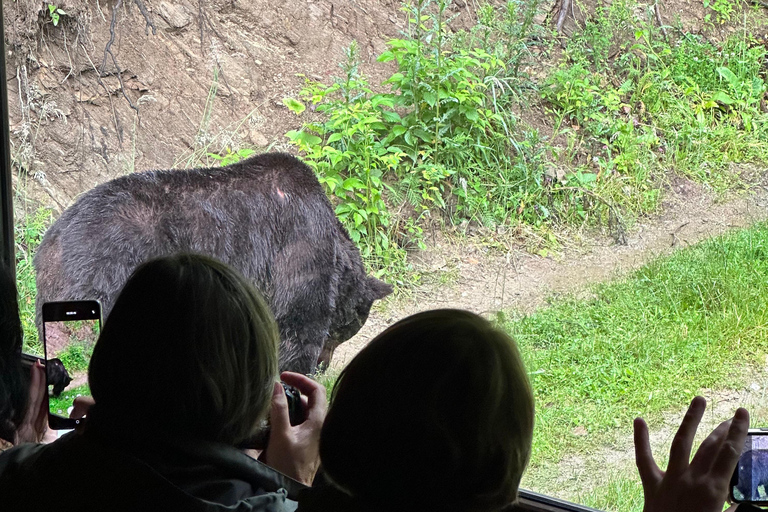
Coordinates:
x,y
462,273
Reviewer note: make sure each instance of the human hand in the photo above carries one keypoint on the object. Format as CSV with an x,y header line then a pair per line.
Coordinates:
x,y
700,485
295,450
34,426
80,407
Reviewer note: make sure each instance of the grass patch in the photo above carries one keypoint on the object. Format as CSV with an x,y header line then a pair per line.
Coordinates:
x,y
646,344
59,405
624,488
327,377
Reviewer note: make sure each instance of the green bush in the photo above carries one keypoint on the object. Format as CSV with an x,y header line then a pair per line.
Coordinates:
x,y
631,101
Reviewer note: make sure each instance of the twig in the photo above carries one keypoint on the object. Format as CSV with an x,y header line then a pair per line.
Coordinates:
x,y
758,2
98,8
69,57
562,14
657,12
676,231
104,86
201,23
147,18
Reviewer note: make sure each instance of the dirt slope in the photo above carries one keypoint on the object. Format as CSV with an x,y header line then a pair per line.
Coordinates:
x,y
208,74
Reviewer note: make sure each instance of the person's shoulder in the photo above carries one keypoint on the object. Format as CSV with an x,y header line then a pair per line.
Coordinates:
x,y
20,455
23,475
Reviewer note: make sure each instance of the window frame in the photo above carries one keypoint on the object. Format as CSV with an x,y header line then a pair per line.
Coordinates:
x,y
534,502
7,254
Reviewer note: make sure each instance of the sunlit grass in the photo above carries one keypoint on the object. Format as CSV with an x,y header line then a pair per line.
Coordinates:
x,y
643,346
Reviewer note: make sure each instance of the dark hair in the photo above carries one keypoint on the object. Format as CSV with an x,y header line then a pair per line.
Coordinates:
x,y
13,392
191,347
435,413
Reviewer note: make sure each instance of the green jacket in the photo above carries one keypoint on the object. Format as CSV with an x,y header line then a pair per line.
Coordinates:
x,y
82,472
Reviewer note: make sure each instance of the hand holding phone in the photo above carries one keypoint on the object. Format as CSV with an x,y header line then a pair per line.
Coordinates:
x,y
70,330
294,450
34,425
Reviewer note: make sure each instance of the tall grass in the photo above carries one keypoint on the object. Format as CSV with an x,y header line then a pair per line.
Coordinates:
x,y
28,234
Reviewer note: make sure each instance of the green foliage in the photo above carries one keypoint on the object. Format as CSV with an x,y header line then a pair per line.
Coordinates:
x,y
231,157
661,102
55,13
723,9
77,355
28,235
349,154
504,31
441,139
630,102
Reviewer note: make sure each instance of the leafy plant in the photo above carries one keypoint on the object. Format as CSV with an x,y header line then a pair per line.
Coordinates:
x,y
232,157
724,10
348,152
55,13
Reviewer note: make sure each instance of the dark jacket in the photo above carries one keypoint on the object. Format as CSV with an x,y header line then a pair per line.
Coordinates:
x,y
82,472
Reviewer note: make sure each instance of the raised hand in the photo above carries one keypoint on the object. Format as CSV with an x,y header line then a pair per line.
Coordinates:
x,y
698,485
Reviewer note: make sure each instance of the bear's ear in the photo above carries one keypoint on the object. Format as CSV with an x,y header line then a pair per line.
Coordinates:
x,y
379,289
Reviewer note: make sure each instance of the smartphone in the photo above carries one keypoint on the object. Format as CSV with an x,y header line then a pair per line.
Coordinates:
x,y
749,483
296,416
70,330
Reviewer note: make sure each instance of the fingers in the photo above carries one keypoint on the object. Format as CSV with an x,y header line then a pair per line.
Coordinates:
x,y
80,406
680,452
650,474
730,450
707,452
36,393
313,390
278,415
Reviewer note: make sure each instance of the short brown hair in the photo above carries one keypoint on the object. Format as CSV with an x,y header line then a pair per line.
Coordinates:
x,y
191,347
435,413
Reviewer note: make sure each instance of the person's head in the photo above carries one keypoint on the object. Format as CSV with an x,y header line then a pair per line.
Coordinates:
x,y
189,349
13,391
435,413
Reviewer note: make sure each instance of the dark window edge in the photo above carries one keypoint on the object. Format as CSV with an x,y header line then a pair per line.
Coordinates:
x,y
6,187
535,502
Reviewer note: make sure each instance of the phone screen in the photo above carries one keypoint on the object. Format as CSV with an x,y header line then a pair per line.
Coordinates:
x,y
750,479
70,332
